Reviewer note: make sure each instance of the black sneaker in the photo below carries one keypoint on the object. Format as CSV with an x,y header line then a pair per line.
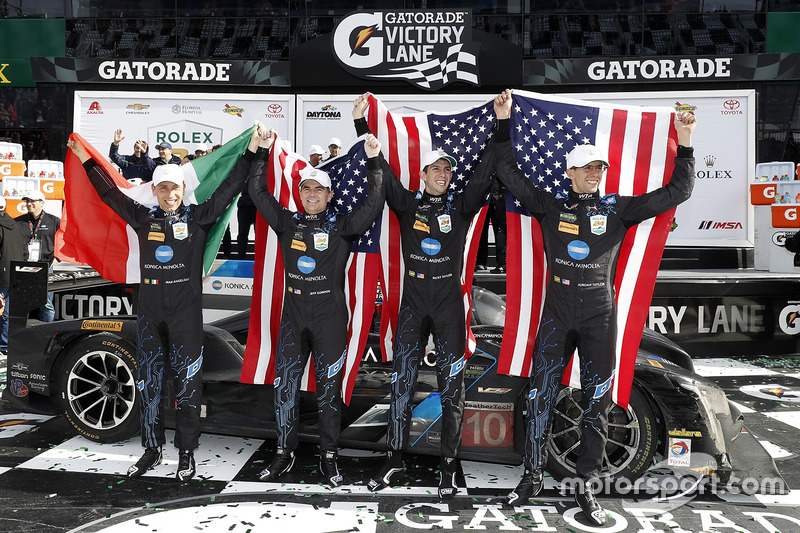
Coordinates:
x,y
392,467
501,269
588,504
281,463
479,268
186,465
529,486
329,468
150,458
447,477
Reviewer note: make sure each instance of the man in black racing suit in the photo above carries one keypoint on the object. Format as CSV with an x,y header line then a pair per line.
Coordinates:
x,y
433,230
172,238
582,233
315,247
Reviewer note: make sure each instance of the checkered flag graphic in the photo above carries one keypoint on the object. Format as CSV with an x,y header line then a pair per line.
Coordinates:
x,y
461,64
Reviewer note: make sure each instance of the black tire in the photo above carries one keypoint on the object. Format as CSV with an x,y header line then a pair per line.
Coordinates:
x,y
632,436
97,385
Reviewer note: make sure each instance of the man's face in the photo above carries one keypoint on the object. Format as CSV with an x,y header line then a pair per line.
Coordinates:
x,y
314,197
34,207
137,150
334,149
437,177
587,179
169,195
315,159
165,153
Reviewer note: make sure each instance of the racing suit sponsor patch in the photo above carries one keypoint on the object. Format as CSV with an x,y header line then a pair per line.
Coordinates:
x,y
559,279
321,241
566,227
604,387
180,230
337,366
532,394
445,224
195,367
148,281
421,226
298,245
599,223
164,253
156,236
578,250
414,274
431,246
306,264
457,367
568,217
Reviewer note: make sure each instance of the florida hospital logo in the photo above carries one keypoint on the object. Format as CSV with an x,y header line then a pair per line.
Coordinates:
x,y
428,49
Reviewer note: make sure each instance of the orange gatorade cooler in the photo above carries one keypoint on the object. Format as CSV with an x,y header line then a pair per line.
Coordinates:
x,y
785,216
763,193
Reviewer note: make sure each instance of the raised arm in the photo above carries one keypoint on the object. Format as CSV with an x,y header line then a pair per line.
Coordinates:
x,y
533,198
277,216
362,217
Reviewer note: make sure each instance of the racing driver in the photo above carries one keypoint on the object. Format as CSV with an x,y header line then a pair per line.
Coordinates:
x,y
172,237
582,233
433,230
315,246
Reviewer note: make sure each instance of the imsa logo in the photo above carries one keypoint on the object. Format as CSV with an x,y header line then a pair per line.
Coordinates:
x,y
428,49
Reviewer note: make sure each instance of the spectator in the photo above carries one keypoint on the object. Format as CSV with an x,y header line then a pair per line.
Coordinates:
x,y
136,166
315,154
334,147
496,214
41,230
165,155
200,150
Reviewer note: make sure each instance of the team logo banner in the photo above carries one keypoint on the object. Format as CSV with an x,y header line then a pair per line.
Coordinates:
x,y
428,49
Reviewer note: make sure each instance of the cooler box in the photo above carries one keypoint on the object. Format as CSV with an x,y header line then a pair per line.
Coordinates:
x,y
785,216
11,168
51,177
10,151
775,171
763,193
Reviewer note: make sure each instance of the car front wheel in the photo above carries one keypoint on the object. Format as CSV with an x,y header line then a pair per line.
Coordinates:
x,y
632,436
97,383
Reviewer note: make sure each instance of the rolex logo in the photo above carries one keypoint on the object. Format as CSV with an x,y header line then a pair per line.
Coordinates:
x,y
710,160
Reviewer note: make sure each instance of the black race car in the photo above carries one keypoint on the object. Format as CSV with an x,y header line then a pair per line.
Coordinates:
x,y
86,370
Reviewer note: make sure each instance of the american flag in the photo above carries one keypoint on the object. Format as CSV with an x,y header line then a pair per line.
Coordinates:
x,y
404,139
349,176
641,146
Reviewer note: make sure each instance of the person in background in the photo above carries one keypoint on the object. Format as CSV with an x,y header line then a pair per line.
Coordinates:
x,y
334,147
136,166
12,248
200,150
39,228
315,154
165,155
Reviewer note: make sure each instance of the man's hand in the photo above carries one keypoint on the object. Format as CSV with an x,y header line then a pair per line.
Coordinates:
x,y
141,145
685,123
502,104
78,150
118,137
360,105
372,146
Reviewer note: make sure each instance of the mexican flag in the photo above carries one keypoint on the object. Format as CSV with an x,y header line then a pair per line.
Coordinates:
x,y
91,233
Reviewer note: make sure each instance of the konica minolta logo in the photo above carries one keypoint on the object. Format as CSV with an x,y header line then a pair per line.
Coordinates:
x,y
428,49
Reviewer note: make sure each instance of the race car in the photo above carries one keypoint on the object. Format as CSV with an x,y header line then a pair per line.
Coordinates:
x,y
86,369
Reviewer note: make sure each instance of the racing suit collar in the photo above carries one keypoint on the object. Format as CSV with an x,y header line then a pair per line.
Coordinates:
x,y
574,197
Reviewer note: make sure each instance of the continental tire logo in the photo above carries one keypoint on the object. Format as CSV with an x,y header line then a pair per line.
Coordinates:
x,y
104,325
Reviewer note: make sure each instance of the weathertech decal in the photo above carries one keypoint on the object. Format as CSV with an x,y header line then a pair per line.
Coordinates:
x,y
428,49
106,325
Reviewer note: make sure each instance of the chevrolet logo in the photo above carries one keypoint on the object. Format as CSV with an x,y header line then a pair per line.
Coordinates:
x,y
138,107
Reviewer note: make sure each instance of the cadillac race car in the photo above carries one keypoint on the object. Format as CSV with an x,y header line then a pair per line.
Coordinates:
x,y
86,369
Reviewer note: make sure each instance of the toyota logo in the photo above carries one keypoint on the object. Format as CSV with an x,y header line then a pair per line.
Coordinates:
x,y
731,104
276,108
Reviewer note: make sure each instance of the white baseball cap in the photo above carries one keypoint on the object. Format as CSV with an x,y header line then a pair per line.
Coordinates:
x,y
35,194
201,148
583,154
311,173
171,173
432,157
316,149
336,141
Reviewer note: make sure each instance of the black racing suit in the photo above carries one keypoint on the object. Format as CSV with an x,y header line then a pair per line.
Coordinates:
x,y
315,249
582,236
170,309
433,231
